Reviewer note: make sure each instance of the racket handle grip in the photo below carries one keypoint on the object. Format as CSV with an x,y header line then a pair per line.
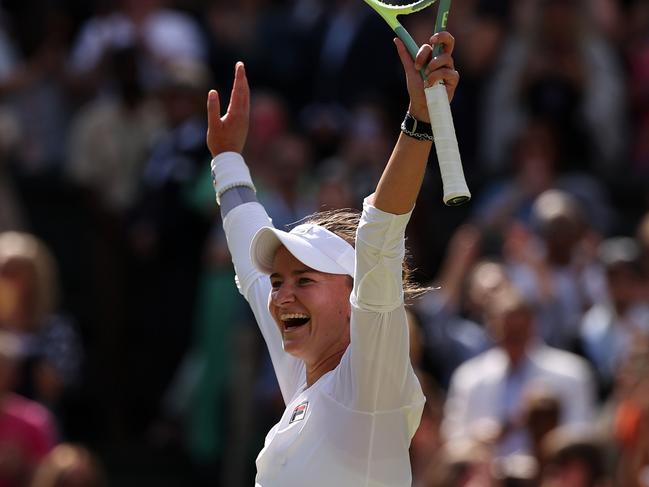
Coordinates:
x,y
456,190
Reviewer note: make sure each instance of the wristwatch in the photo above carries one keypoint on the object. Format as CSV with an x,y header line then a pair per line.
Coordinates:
x,y
416,128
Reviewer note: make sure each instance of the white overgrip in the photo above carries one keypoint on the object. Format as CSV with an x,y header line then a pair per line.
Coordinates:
x,y
448,153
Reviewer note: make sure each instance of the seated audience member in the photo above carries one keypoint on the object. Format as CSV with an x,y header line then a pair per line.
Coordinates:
x,y
491,388
69,465
460,463
574,460
452,315
28,300
27,431
609,328
535,168
541,415
554,268
629,426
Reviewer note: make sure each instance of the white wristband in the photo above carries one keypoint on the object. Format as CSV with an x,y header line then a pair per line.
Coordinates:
x,y
229,170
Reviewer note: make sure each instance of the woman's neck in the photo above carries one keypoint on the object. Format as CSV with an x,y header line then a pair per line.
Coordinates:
x,y
321,367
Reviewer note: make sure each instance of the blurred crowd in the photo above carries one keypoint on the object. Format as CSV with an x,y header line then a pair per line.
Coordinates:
x,y
127,356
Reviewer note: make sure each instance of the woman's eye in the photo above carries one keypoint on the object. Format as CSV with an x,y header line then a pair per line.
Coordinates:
x,y
275,284
304,280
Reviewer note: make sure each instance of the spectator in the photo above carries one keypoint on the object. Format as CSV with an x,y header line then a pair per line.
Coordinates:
x,y
453,315
490,388
610,328
574,460
34,89
69,465
111,138
541,415
629,426
461,463
554,267
536,168
160,35
557,66
28,303
27,431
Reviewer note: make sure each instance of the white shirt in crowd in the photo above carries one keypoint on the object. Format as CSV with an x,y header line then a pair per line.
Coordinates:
x,y
485,389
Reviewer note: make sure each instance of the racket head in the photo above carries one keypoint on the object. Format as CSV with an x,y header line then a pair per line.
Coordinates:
x,y
390,9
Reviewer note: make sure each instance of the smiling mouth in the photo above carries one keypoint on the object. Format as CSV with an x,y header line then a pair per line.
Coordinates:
x,y
294,320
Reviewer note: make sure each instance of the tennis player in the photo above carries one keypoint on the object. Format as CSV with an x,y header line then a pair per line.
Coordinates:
x,y
329,300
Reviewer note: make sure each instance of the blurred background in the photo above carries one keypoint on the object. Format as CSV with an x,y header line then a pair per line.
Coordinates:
x,y
127,357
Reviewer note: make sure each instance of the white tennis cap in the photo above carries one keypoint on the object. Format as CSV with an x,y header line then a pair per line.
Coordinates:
x,y
313,245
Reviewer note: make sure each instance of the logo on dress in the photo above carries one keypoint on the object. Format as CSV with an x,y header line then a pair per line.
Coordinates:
x,y
299,412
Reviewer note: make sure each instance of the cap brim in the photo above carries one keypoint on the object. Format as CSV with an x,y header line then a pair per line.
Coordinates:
x,y
267,240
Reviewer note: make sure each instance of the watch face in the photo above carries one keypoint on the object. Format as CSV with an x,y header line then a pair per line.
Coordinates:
x,y
414,126
410,123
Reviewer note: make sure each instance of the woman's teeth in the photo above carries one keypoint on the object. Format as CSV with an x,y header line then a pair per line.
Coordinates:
x,y
294,319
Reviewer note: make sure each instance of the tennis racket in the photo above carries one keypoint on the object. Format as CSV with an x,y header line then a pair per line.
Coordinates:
x,y
456,191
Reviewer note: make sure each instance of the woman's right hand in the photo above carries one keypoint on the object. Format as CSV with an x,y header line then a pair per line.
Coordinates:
x,y
228,133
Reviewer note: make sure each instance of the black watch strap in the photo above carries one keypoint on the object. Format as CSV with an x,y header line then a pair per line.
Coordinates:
x,y
416,128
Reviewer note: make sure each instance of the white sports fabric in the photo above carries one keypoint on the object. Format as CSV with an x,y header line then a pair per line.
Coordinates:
x,y
354,425
229,171
312,245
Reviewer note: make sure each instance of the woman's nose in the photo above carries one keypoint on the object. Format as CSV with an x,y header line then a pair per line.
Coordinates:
x,y
283,295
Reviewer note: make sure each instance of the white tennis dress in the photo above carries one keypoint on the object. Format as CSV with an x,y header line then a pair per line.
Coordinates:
x,y
354,425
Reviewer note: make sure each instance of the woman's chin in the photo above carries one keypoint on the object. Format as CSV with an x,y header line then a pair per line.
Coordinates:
x,y
295,346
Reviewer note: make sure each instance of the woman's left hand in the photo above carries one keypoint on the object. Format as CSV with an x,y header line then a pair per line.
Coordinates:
x,y
440,68
229,132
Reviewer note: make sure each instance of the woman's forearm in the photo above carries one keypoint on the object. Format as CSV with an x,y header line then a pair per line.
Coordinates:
x,y
401,180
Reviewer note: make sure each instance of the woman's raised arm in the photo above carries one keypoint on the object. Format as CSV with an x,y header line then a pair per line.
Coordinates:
x,y
401,180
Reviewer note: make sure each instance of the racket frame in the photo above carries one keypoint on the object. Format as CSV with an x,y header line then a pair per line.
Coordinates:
x,y
389,13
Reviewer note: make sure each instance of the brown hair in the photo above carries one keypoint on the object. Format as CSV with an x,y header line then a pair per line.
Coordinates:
x,y
26,248
564,445
344,223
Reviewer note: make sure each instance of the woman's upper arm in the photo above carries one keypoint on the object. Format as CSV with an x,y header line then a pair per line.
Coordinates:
x,y
376,374
380,250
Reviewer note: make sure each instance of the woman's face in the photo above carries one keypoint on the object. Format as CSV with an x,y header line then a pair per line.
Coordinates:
x,y
16,289
311,308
